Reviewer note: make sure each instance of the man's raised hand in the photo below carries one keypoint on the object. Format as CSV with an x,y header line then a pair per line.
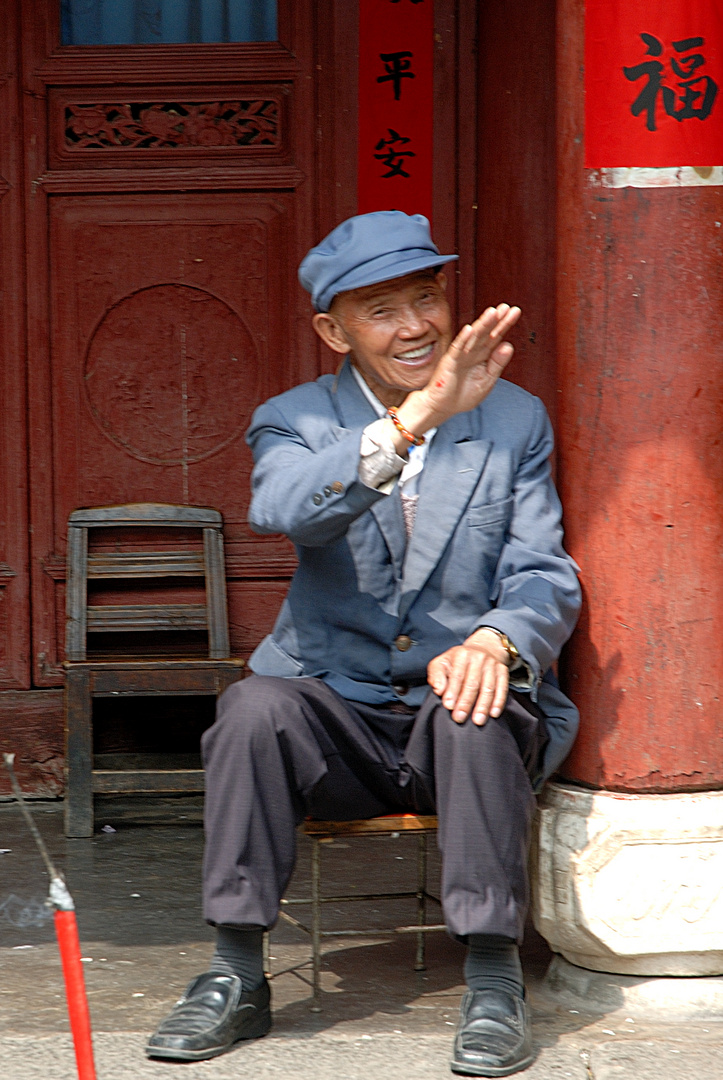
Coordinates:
x,y
466,373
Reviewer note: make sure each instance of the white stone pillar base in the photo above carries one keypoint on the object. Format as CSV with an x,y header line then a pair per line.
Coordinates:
x,y
631,884
598,993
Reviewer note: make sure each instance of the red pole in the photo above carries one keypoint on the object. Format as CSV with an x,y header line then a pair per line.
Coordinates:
x,y
66,930
640,411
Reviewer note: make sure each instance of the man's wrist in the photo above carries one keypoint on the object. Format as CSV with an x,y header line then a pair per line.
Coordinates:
x,y
396,439
491,639
417,415
509,646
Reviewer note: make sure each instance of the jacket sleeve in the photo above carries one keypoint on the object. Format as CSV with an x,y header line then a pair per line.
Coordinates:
x,y
536,592
305,482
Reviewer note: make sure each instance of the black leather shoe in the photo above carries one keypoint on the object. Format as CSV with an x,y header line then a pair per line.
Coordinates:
x,y
213,1014
494,1036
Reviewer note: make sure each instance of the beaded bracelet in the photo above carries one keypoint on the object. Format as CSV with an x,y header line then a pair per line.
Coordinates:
x,y
415,440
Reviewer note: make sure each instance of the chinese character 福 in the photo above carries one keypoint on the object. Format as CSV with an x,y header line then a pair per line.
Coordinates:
x,y
684,104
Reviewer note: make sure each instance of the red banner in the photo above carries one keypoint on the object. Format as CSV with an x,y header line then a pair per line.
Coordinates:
x,y
653,83
396,105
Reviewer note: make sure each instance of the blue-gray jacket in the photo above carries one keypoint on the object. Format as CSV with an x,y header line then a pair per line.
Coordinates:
x,y
486,549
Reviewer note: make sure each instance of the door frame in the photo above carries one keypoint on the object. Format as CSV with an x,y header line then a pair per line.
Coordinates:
x,y
14,576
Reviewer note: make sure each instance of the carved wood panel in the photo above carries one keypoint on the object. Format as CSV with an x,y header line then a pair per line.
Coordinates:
x,y
159,360
108,127
160,125
167,335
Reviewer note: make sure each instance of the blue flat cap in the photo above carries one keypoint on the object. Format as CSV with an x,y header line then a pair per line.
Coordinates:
x,y
365,250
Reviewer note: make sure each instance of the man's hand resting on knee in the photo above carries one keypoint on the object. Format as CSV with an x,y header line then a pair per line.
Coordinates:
x,y
473,678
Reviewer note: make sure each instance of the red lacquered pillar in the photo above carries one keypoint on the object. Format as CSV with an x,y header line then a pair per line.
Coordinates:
x,y
640,452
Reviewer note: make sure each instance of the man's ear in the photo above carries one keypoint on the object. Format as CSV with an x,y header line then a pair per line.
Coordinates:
x,y
330,332
441,279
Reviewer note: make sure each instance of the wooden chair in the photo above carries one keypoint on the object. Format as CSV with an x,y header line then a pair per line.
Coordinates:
x,y
137,675
321,832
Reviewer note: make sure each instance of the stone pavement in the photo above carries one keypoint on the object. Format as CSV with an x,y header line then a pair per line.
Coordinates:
x,y
137,897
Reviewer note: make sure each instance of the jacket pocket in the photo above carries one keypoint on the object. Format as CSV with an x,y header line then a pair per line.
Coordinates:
x,y
270,659
477,516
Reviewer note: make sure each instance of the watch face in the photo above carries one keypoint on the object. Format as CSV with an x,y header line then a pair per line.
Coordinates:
x,y
511,649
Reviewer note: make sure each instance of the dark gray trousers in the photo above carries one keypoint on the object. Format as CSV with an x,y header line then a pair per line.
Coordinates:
x,y
285,749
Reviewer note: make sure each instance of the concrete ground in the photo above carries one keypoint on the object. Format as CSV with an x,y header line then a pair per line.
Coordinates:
x,y
136,891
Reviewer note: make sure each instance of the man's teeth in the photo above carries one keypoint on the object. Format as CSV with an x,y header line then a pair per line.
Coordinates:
x,y
414,354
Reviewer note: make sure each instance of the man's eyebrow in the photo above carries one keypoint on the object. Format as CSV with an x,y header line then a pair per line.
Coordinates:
x,y
379,298
388,295
368,302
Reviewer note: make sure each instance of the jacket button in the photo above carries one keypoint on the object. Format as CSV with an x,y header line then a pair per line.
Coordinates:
x,y
318,499
403,643
327,491
400,689
337,487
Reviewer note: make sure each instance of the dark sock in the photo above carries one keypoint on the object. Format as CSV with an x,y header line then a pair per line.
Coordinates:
x,y
493,963
239,951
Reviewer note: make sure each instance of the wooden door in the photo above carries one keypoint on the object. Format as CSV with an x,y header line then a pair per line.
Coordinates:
x,y
169,200
170,193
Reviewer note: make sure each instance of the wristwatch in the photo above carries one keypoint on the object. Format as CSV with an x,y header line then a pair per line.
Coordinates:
x,y
509,646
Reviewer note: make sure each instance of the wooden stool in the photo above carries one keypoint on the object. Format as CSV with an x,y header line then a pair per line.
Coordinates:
x,y
323,831
134,675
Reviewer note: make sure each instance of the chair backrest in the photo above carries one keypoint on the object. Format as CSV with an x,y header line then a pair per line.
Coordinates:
x,y
207,563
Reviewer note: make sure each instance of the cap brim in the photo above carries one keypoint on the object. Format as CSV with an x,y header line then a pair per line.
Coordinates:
x,y
386,267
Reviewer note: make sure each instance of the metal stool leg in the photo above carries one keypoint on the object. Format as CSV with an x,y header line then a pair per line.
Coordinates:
x,y
316,924
419,964
78,808
266,957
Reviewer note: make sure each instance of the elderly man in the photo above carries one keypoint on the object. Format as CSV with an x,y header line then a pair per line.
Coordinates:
x,y
409,667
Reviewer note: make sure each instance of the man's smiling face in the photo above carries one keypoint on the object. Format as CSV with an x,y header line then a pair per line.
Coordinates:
x,y
395,332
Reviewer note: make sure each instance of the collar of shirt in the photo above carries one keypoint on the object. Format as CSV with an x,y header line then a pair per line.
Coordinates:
x,y
409,476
